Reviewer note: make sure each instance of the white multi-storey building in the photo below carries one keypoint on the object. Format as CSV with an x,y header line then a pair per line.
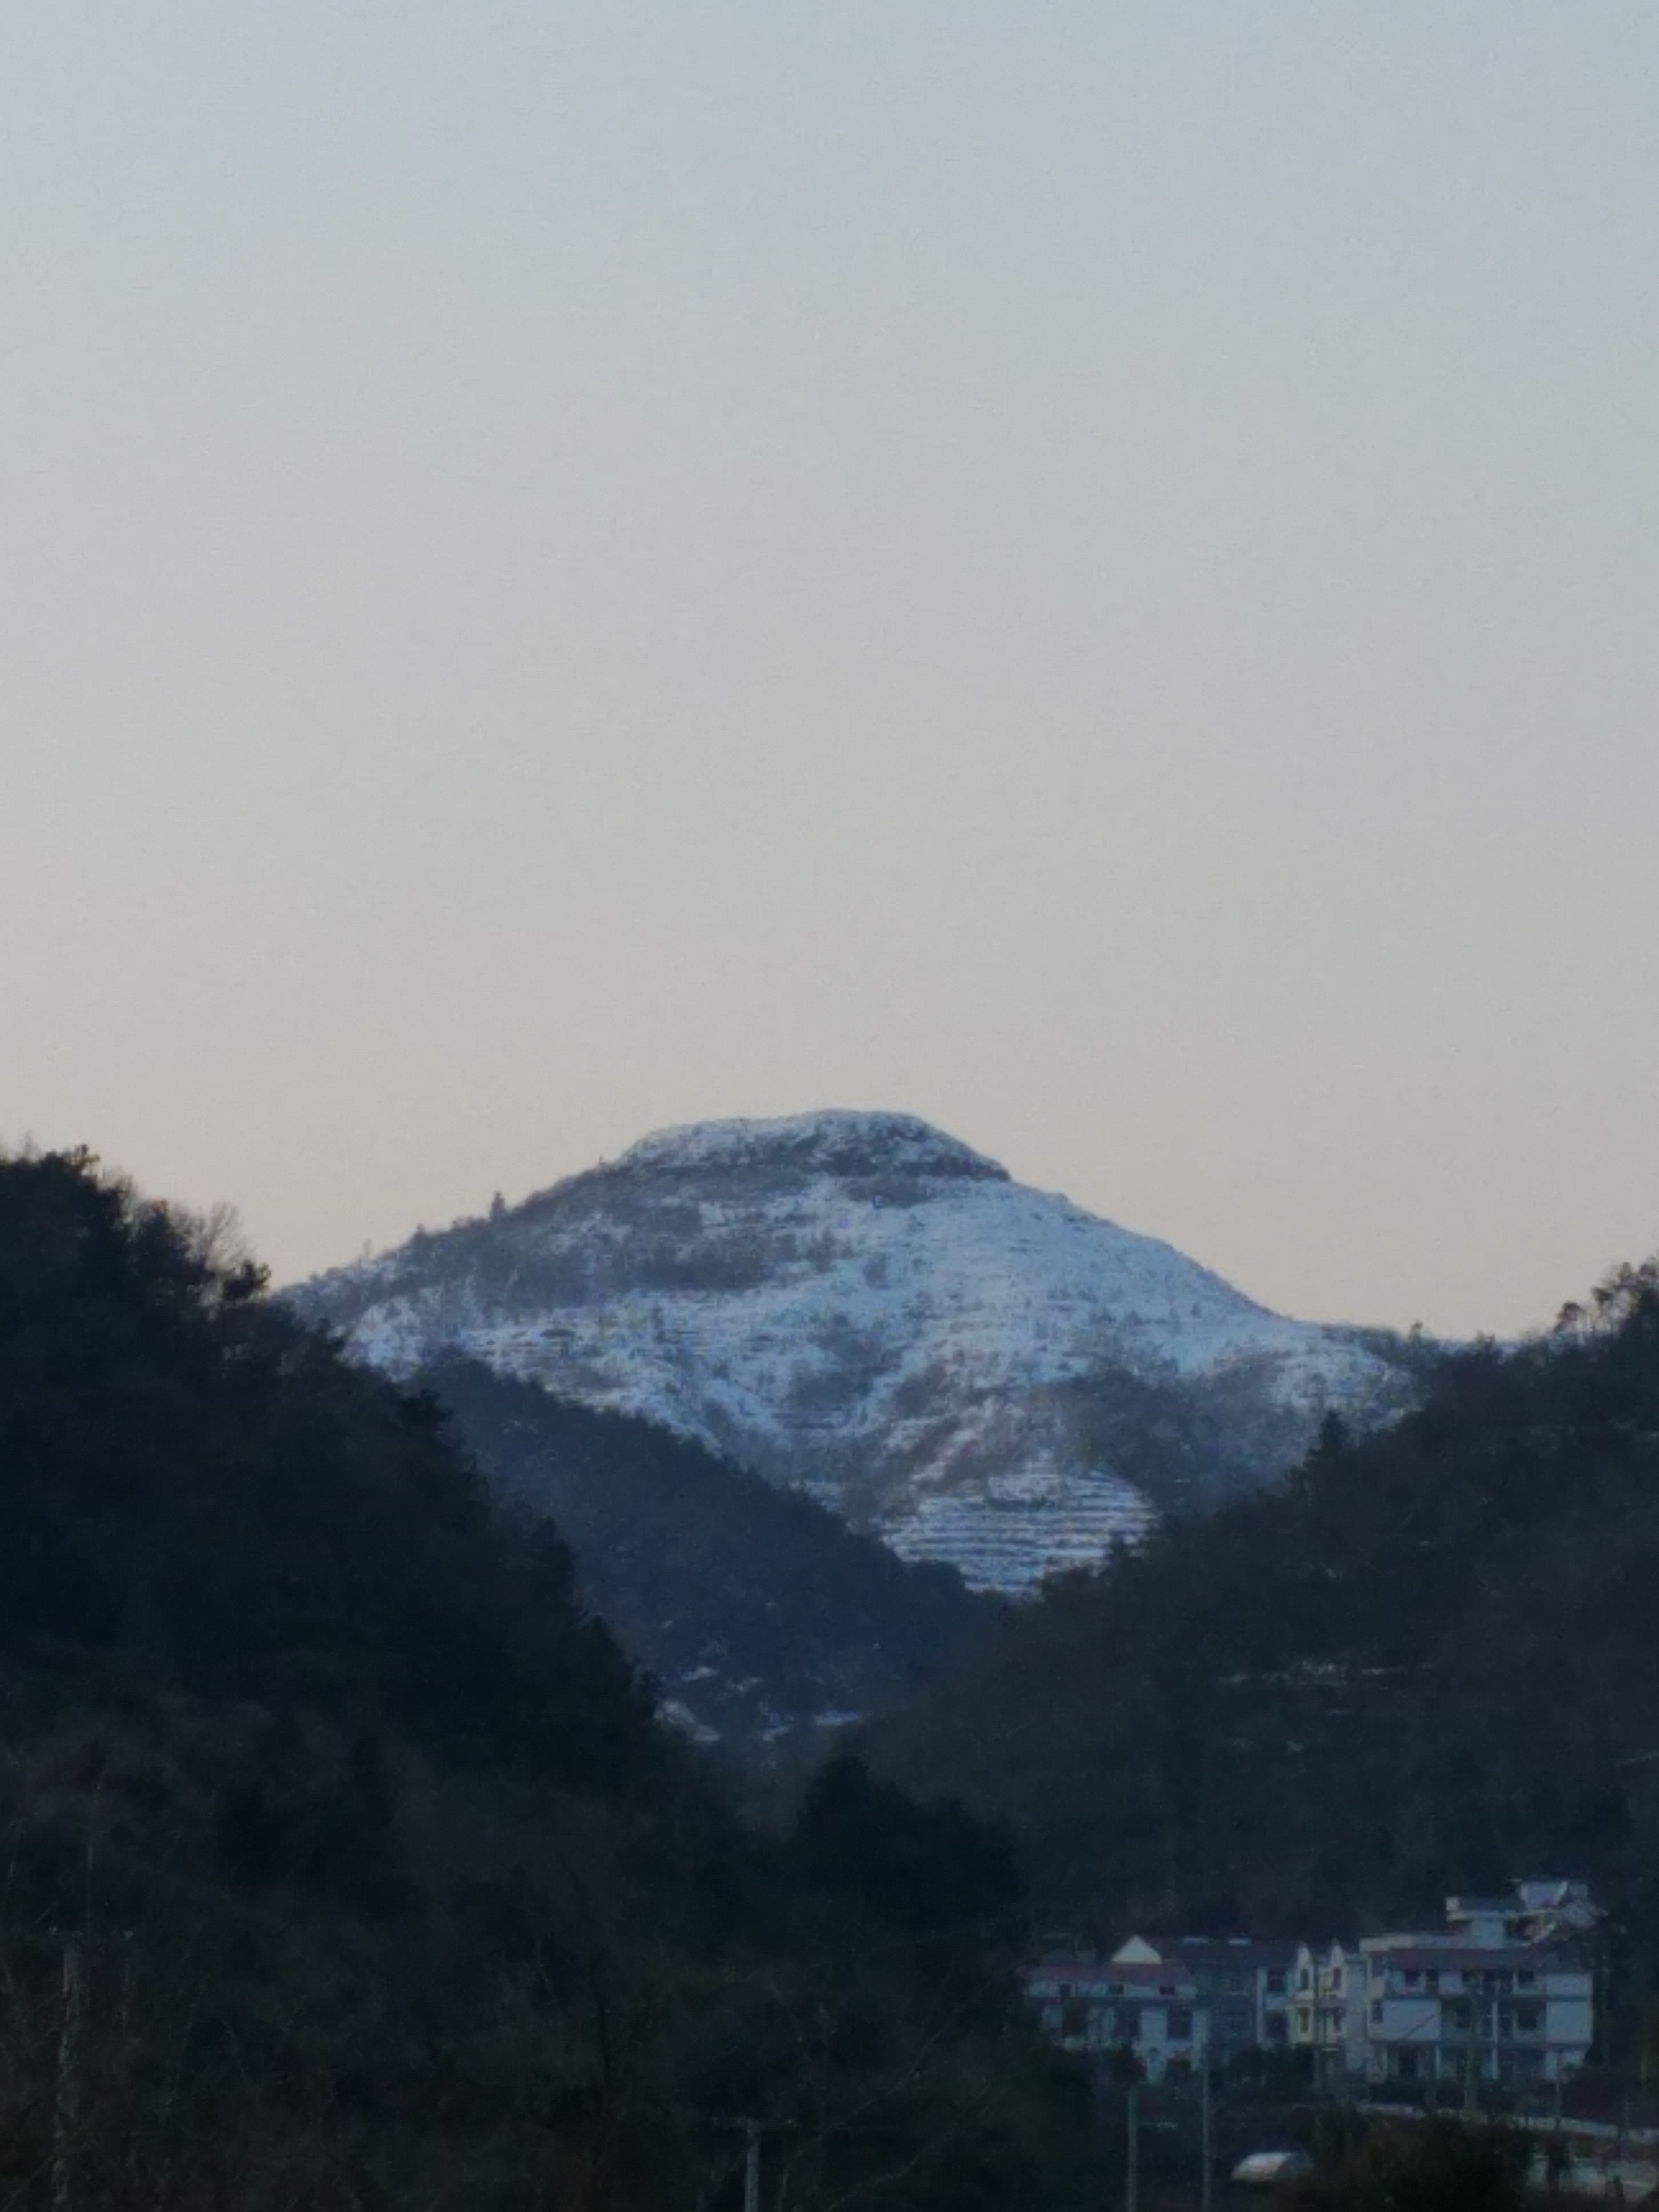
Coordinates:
x,y
1502,1994
1505,1992
1148,2009
1242,1987
1326,1982
1513,2014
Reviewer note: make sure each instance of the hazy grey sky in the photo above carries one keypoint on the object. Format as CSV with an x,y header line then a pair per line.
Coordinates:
x,y
1086,571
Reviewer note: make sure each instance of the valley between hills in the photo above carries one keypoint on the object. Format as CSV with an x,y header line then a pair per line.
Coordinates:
x,y
804,1395
463,1788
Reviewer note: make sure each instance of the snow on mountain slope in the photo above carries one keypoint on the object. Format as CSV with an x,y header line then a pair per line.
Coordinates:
x,y
982,1373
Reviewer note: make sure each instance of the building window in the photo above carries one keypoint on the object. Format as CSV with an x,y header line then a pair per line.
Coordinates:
x,y
1277,2024
1303,2019
1526,1979
1304,1979
1276,1982
1529,2019
1432,1979
1180,2024
1377,2011
1413,1979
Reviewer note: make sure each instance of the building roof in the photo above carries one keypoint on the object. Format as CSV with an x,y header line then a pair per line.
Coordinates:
x,y
1414,1954
1239,1951
1233,1951
1105,1978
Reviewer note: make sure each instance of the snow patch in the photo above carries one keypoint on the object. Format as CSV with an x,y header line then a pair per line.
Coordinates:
x,y
859,1305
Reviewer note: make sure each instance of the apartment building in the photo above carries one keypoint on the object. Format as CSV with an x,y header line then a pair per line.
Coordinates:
x,y
1502,1994
1327,1984
1505,1993
1148,2007
1243,1986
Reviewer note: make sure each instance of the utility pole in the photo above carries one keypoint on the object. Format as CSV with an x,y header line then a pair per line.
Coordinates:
x,y
749,2129
1131,2173
751,2167
1206,2182
66,2115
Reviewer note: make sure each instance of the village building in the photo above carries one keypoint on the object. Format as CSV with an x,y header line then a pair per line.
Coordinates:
x,y
1243,1986
1149,2009
1325,1998
1502,1994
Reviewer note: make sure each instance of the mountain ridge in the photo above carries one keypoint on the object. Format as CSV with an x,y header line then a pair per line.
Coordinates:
x,y
856,1304
833,1140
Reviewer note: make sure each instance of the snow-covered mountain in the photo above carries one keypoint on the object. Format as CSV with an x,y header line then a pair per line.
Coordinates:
x,y
855,1303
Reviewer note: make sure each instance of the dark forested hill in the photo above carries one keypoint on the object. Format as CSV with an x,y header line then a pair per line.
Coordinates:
x,y
383,1884
761,1614
1429,1662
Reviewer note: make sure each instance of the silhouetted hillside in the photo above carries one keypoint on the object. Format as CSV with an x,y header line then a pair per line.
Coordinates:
x,y
386,1888
760,1613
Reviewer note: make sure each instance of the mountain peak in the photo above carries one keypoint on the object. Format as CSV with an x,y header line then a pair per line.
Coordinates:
x,y
861,1306
836,1141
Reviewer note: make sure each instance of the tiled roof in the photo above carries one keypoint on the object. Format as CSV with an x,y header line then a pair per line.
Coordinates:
x,y
1223,1951
1102,1978
1465,1958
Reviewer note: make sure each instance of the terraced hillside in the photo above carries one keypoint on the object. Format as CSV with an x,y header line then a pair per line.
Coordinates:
x,y
859,1305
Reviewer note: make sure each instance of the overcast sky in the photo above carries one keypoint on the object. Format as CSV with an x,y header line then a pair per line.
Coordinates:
x,y
1086,571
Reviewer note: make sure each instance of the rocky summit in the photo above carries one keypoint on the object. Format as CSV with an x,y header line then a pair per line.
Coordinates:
x,y
859,1304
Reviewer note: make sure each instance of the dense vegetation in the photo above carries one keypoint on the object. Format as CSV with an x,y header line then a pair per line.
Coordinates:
x,y
1428,1661
759,1612
1432,2166
387,1885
